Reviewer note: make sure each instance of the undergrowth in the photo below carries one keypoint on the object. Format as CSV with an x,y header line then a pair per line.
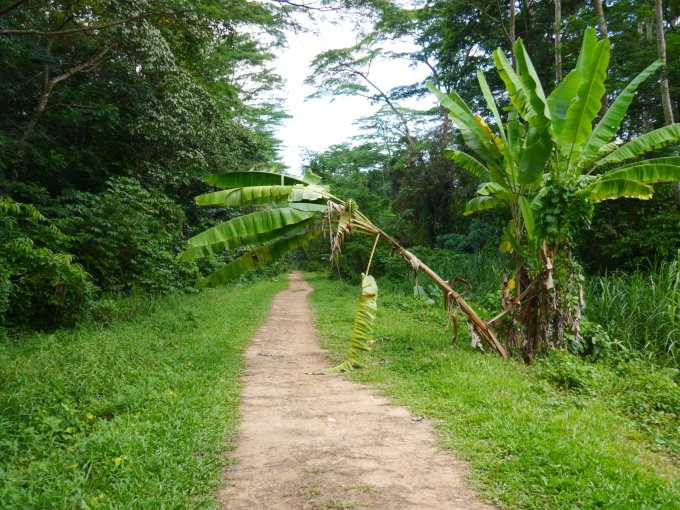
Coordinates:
x,y
127,415
563,434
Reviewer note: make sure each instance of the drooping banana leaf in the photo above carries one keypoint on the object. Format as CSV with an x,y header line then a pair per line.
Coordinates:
x,y
652,140
469,163
255,223
509,236
362,334
308,207
245,196
268,253
197,252
482,203
648,172
609,124
249,179
497,190
616,188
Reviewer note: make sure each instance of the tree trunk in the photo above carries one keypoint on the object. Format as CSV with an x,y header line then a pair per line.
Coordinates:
x,y
512,30
661,47
480,326
665,91
558,40
602,24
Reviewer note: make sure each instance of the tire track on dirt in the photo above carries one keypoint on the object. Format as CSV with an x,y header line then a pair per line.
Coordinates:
x,y
321,442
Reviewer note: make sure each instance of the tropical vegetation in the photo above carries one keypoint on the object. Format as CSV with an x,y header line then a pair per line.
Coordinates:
x,y
117,372
544,165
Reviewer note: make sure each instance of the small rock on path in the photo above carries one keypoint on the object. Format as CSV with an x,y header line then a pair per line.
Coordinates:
x,y
321,442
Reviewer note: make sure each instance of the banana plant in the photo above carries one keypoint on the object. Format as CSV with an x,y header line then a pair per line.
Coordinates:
x,y
295,211
547,164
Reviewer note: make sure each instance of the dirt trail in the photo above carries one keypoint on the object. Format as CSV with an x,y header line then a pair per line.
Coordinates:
x,y
321,442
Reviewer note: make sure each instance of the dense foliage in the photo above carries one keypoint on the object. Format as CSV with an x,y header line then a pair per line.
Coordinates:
x,y
109,113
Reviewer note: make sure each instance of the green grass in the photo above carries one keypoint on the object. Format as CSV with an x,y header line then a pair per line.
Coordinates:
x,y
531,443
132,415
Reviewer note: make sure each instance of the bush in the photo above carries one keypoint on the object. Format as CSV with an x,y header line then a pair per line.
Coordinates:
x,y
565,371
479,235
40,285
127,237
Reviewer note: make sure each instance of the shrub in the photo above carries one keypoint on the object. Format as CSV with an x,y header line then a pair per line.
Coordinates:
x,y
127,237
565,371
40,285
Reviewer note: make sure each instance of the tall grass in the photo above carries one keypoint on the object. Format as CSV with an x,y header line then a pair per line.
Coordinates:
x,y
641,309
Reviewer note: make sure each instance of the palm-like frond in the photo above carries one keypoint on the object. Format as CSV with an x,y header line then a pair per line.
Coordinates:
x,y
268,253
362,334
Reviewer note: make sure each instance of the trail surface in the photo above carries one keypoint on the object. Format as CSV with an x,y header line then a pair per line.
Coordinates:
x,y
321,442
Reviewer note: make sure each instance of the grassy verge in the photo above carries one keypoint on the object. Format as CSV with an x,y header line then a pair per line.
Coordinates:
x,y
531,440
133,415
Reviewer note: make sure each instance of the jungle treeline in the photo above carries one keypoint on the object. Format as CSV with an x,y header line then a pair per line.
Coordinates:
x,y
111,111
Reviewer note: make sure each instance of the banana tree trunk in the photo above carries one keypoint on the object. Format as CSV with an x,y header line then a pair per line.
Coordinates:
x,y
480,326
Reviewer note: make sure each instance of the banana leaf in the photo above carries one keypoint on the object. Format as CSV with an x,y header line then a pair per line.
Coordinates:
x,y
652,140
197,252
527,214
609,124
494,109
559,102
469,163
497,190
464,120
249,179
245,196
519,96
588,102
515,133
268,253
255,223
533,88
534,158
482,203
648,172
616,188
362,334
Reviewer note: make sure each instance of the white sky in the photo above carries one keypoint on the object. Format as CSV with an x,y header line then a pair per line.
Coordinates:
x,y
320,123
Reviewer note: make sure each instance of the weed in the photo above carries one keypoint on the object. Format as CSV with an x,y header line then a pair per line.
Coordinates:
x,y
315,469
362,488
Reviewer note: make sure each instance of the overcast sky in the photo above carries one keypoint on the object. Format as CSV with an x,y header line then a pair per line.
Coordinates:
x,y
320,123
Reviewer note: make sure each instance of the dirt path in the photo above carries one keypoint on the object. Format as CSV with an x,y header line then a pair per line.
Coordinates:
x,y
321,442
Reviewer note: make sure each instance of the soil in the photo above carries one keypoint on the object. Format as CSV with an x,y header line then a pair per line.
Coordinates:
x,y
322,442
